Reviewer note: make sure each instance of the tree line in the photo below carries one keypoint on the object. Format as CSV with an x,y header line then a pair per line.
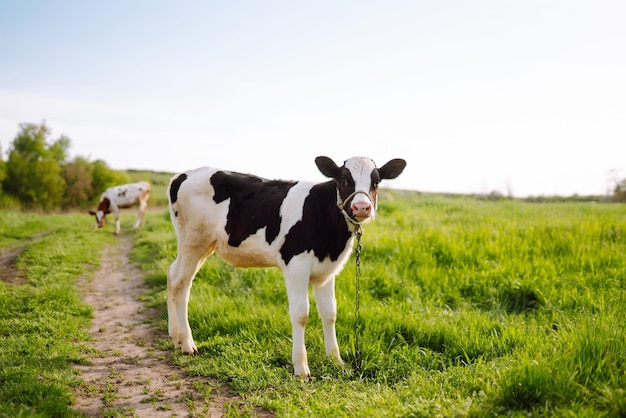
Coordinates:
x,y
38,173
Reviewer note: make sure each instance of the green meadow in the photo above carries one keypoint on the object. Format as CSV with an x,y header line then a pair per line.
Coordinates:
x,y
43,322
467,308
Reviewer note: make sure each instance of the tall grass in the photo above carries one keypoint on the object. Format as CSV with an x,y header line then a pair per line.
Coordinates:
x,y
467,308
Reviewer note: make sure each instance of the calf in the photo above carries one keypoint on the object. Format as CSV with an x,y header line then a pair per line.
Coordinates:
x,y
305,229
121,197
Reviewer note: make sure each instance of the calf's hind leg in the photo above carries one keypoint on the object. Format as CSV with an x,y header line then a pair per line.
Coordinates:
x,y
179,279
141,213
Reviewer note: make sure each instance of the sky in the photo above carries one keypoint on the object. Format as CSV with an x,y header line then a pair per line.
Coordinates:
x,y
523,97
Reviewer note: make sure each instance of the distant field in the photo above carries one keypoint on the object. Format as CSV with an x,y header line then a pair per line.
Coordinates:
x,y
468,308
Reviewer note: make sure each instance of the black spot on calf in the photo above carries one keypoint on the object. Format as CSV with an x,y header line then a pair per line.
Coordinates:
x,y
254,203
322,228
176,186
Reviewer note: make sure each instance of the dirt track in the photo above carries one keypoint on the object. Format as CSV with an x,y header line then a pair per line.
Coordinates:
x,y
129,375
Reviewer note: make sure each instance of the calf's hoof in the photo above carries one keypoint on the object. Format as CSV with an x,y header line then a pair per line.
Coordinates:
x,y
189,349
304,377
302,373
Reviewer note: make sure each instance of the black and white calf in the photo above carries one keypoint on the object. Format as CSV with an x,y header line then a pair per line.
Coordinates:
x,y
303,228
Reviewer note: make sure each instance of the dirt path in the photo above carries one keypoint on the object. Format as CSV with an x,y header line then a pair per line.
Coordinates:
x,y
129,375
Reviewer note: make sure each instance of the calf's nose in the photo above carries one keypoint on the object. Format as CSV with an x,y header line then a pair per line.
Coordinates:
x,y
361,209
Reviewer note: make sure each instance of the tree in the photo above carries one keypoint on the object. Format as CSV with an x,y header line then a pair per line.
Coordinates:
x,y
6,200
103,177
3,171
619,193
33,168
58,150
77,176
38,174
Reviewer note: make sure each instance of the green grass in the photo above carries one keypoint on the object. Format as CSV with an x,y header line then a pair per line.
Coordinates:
x,y
468,308
43,321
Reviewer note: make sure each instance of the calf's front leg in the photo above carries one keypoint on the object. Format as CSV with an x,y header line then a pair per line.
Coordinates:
x,y
297,294
327,308
116,214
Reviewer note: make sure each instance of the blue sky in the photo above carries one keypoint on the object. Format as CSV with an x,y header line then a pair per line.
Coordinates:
x,y
526,97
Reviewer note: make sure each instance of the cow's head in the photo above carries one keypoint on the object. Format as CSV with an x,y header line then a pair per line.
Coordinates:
x,y
103,209
357,184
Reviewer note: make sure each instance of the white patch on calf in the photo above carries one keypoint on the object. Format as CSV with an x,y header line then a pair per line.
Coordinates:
x,y
361,169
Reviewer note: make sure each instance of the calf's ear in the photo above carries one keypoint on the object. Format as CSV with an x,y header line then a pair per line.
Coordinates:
x,y
92,212
327,166
392,169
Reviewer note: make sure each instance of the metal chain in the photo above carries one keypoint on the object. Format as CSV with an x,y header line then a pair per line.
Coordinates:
x,y
357,325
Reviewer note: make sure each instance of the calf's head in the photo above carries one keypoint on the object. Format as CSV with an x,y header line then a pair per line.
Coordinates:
x,y
357,184
103,208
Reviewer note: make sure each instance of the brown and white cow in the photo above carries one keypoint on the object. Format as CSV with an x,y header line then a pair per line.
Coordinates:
x,y
121,197
303,228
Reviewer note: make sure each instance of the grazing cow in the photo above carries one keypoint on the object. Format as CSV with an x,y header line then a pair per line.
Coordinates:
x,y
303,228
121,197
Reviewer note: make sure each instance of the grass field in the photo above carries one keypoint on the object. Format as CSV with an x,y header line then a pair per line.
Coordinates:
x,y
468,308
43,323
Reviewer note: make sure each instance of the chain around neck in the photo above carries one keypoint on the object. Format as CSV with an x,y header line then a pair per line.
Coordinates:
x,y
357,326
